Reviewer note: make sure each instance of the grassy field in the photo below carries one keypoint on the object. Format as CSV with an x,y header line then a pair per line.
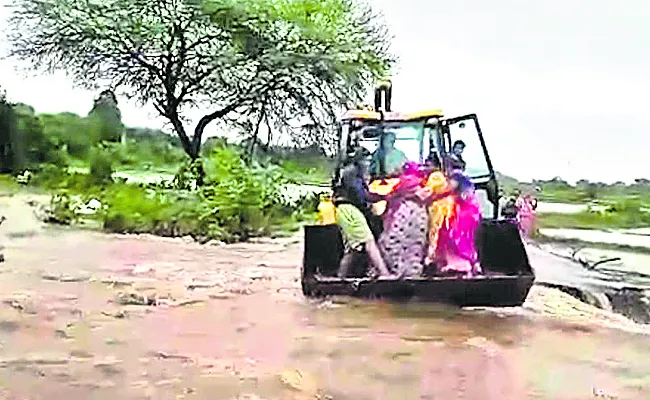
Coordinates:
x,y
594,220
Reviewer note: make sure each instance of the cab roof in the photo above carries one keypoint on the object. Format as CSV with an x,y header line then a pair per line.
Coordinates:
x,y
391,116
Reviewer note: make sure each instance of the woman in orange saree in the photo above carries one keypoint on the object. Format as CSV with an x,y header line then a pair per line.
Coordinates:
x,y
453,224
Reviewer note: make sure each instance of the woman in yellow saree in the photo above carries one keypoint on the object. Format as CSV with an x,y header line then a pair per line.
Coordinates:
x,y
440,211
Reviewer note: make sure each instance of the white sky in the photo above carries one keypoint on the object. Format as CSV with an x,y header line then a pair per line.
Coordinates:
x,y
560,87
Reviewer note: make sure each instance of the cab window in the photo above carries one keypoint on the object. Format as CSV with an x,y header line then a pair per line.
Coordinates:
x,y
400,142
466,132
408,139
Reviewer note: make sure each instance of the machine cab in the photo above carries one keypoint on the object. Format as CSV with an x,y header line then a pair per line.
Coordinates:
x,y
427,138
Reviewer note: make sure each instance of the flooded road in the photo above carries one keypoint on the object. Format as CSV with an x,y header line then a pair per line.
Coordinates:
x,y
87,315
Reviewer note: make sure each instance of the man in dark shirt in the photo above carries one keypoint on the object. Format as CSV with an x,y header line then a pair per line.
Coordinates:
x,y
455,162
353,188
352,199
510,210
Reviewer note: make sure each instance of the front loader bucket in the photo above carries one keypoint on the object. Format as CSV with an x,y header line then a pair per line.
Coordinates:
x,y
501,249
322,254
506,281
323,250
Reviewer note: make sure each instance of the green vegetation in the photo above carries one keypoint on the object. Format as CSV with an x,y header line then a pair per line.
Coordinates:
x,y
557,190
237,201
608,206
595,220
8,185
222,196
584,191
256,67
288,66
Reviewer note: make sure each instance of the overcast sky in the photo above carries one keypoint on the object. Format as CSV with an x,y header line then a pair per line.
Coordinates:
x,y
560,87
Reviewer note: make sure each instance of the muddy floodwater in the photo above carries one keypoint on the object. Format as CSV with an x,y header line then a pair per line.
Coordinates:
x,y
85,315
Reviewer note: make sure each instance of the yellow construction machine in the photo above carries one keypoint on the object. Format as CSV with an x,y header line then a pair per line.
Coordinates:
x,y
425,138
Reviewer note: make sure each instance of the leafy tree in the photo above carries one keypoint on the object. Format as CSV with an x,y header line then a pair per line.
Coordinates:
x,y
7,132
33,147
72,132
106,118
294,61
22,141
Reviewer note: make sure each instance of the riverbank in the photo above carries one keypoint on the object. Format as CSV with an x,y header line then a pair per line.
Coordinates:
x,y
616,240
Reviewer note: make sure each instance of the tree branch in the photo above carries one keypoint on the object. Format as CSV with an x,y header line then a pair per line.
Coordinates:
x,y
206,120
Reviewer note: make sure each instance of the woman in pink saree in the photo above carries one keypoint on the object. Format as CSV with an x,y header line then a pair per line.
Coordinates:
x,y
456,249
526,215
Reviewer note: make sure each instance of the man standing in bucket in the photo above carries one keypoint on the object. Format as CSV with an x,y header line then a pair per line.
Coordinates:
x,y
352,200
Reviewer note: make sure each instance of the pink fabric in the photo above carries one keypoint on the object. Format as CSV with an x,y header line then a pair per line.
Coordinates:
x,y
457,238
406,187
403,243
526,215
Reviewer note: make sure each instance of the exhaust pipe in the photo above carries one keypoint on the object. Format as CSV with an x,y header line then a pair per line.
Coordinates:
x,y
383,92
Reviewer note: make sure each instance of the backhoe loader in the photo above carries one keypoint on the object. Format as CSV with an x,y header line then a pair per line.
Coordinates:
x,y
425,138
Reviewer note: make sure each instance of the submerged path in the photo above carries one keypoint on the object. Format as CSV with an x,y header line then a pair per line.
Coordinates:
x,y
88,315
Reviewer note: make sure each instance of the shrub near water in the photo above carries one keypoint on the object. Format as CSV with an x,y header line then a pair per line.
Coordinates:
x,y
101,165
235,203
134,209
245,200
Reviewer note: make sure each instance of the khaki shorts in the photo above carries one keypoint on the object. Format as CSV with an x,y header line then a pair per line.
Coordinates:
x,y
354,227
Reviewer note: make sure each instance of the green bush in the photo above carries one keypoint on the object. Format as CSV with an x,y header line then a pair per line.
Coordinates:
x,y
101,165
49,176
235,202
243,200
133,209
62,210
190,175
628,205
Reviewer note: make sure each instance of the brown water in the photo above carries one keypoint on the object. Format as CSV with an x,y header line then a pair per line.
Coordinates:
x,y
250,334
